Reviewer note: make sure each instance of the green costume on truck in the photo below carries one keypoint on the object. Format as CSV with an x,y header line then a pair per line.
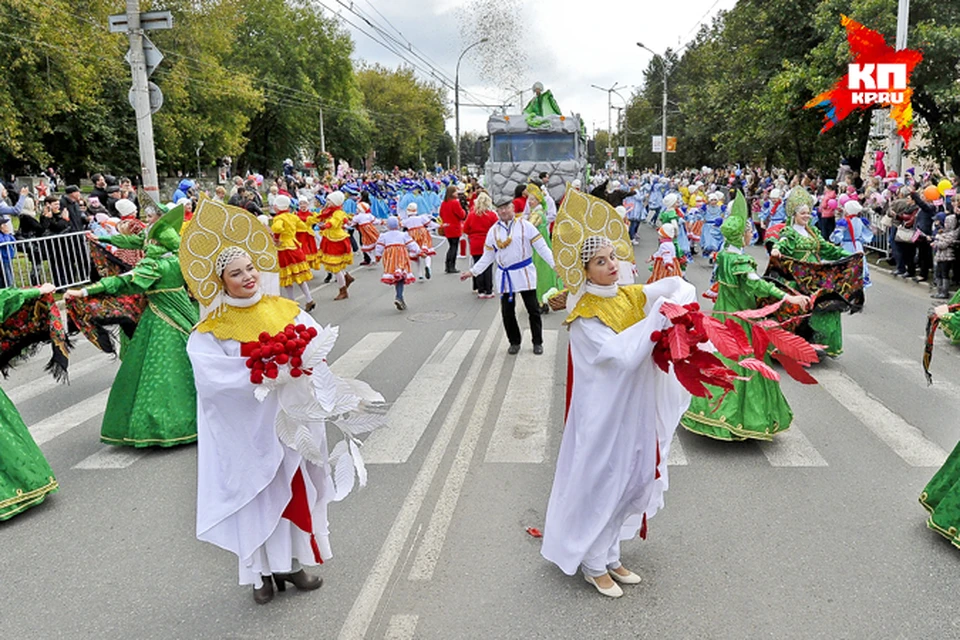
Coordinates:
x,y
25,476
153,401
756,409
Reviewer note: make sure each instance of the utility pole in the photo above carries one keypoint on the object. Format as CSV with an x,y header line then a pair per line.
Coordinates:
x,y
896,142
456,99
145,97
610,138
663,130
141,93
323,141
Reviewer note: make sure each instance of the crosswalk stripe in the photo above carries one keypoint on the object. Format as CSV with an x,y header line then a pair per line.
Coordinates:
x,y
430,548
111,457
401,627
46,383
906,440
74,415
676,457
409,416
523,421
791,448
356,359
886,353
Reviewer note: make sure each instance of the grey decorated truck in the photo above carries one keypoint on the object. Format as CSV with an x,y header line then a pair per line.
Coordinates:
x,y
519,152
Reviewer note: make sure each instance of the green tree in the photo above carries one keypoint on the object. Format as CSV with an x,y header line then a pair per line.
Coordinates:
x,y
408,116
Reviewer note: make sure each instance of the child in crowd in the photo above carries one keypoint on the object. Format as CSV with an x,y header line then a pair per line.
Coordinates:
x,y
395,249
945,237
7,251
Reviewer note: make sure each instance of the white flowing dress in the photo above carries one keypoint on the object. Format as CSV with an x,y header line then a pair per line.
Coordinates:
x,y
244,472
622,406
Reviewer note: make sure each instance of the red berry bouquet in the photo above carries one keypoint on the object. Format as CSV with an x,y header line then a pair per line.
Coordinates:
x,y
292,365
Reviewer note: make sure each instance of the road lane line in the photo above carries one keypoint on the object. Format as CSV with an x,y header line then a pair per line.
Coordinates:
x,y
111,457
356,359
46,382
74,415
401,627
365,606
409,416
432,544
886,354
520,434
906,440
791,448
677,457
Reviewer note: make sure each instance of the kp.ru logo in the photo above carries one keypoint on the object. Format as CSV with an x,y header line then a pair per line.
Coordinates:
x,y
873,77
878,75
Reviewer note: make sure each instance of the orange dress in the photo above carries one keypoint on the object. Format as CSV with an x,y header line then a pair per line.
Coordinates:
x,y
665,263
394,249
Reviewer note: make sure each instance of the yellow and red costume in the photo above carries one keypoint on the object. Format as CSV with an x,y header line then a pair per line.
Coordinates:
x,y
308,240
286,226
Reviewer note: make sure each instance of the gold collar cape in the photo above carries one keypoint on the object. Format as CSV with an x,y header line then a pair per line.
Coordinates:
x,y
245,324
619,312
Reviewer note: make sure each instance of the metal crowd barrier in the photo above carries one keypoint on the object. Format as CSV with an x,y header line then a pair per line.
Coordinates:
x,y
881,236
63,260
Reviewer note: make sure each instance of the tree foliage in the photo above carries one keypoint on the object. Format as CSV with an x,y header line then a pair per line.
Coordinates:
x,y
736,93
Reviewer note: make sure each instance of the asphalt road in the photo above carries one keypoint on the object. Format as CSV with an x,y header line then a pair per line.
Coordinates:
x,y
818,535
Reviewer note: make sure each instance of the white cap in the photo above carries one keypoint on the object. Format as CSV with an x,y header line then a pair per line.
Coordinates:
x,y
852,208
125,208
412,207
622,211
670,200
336,198
281,203
775,194
576,184
714,196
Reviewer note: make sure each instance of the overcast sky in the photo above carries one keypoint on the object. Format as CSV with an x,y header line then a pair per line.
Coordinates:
x,y
571,44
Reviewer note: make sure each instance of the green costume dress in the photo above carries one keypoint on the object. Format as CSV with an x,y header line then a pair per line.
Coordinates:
x,y
539,106
25,476
153,401
941,496
756,408
826,326
547,278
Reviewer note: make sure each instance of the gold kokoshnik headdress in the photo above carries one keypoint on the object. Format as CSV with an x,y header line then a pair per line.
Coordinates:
x,y
579,217
216,232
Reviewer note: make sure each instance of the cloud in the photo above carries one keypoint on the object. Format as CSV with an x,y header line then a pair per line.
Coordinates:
x,y
570,45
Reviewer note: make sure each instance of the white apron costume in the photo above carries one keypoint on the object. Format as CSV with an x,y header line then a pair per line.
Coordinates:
x,y
512,245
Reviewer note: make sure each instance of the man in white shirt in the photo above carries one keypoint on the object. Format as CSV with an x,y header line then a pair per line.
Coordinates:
x,y
511,243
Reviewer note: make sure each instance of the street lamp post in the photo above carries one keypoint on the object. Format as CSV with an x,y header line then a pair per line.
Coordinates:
x,y
456,97
609,91
663,130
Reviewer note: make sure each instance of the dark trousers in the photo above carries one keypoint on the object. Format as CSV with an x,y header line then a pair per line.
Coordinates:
x,y
483,283
634,225
827,225
906,253
509,315
451,262
924,257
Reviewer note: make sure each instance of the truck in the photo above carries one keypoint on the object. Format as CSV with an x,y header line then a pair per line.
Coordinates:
x,y
519,152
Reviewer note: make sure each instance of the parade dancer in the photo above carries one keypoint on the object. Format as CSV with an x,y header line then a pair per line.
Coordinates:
x,y
261,494
851,231
336,252
294,268
152,401
26,478
366,223
665,261
416,226
308,239
395,248
757,408
537,215
611,471
711,240
511,244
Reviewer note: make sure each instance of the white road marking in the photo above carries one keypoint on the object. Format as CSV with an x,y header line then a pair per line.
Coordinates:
x,y
365,606
356,359
401,627
111,457
432,544
676,457
906,440
523,421
791,448
74,415
409,416
45,383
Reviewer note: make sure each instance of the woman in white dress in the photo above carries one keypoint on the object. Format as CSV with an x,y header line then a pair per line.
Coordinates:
x,y
257,496
623,411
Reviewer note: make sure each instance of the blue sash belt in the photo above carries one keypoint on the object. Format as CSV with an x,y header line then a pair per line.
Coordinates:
x,y
505,281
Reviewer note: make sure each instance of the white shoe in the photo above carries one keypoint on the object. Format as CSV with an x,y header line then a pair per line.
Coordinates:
x,y
630,578
613,592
